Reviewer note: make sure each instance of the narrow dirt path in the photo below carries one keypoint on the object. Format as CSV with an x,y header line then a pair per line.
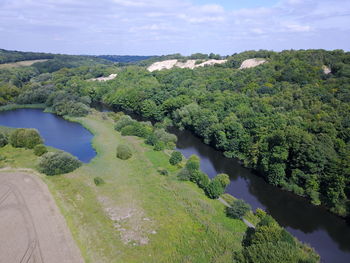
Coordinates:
x,y
243,219
32,228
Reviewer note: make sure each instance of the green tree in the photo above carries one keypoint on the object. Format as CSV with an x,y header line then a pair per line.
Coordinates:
x,y
238,209
175,158
214,189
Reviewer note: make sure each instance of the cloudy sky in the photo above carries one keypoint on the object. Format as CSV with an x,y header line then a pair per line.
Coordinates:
x,y
153,27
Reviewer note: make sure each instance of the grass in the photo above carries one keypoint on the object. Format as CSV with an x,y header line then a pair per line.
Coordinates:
x,y
21,106
179,222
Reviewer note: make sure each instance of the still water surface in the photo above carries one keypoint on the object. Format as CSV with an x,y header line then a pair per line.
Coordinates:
x,y
56,131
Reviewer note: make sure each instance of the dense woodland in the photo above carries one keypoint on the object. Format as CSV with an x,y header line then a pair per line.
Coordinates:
x,y
286,119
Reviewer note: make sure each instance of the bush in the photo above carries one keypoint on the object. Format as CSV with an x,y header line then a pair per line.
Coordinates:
x,y
40,149
238,209
151,139
214,189
124,152
136,129
175,158
165,137
184,175
3,139
27,138
53,163
163,172
123,121
159,146
98,181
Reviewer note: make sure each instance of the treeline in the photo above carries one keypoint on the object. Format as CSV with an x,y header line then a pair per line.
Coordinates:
x,y
7,56
286,119
124,59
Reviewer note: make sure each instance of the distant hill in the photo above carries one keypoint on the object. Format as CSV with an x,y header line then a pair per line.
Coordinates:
x,y
54,61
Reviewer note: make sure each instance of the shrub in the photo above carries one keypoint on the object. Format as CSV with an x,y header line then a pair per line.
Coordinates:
x,y
123,121
151,139
184,175
124,152
159,146
214,189
27,138
163,172
98,181
175,158
3,139
53,163
164,136
238,209
40,149
136,129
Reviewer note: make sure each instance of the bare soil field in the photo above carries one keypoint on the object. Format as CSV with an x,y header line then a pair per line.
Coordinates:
x,y
32,228
24,63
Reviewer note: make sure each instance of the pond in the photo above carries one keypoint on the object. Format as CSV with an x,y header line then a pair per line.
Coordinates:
x,y
56,131
327,233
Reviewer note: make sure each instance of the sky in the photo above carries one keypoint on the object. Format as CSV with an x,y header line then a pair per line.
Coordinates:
x,y
158,27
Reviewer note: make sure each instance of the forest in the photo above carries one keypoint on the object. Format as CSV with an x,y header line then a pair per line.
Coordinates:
x,y
287,119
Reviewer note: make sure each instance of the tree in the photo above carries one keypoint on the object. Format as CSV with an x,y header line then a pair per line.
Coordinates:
x,y
124,152
25,138
175,158
214,189
53,163
238,209
224,179
193,163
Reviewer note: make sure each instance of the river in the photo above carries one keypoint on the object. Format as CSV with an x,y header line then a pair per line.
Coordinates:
x,y
327,233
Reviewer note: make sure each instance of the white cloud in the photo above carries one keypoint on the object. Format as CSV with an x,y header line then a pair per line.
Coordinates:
x,y
137,26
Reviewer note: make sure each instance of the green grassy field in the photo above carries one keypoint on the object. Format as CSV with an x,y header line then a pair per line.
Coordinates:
x,y
138,215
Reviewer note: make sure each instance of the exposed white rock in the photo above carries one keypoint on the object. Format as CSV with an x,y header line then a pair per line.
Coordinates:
x,y
191,64
326,70
110,77
252,62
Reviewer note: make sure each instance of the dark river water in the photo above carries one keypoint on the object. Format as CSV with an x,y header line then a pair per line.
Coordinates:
x,y
327,233
56,131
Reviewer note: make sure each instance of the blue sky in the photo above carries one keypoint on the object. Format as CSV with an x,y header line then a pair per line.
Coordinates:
x,y
144,27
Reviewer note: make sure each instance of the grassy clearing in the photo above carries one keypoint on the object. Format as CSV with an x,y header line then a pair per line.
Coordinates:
x,y
156,218
24,63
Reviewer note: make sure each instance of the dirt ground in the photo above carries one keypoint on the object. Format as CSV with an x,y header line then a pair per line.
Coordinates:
x,y
32,228
21,63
